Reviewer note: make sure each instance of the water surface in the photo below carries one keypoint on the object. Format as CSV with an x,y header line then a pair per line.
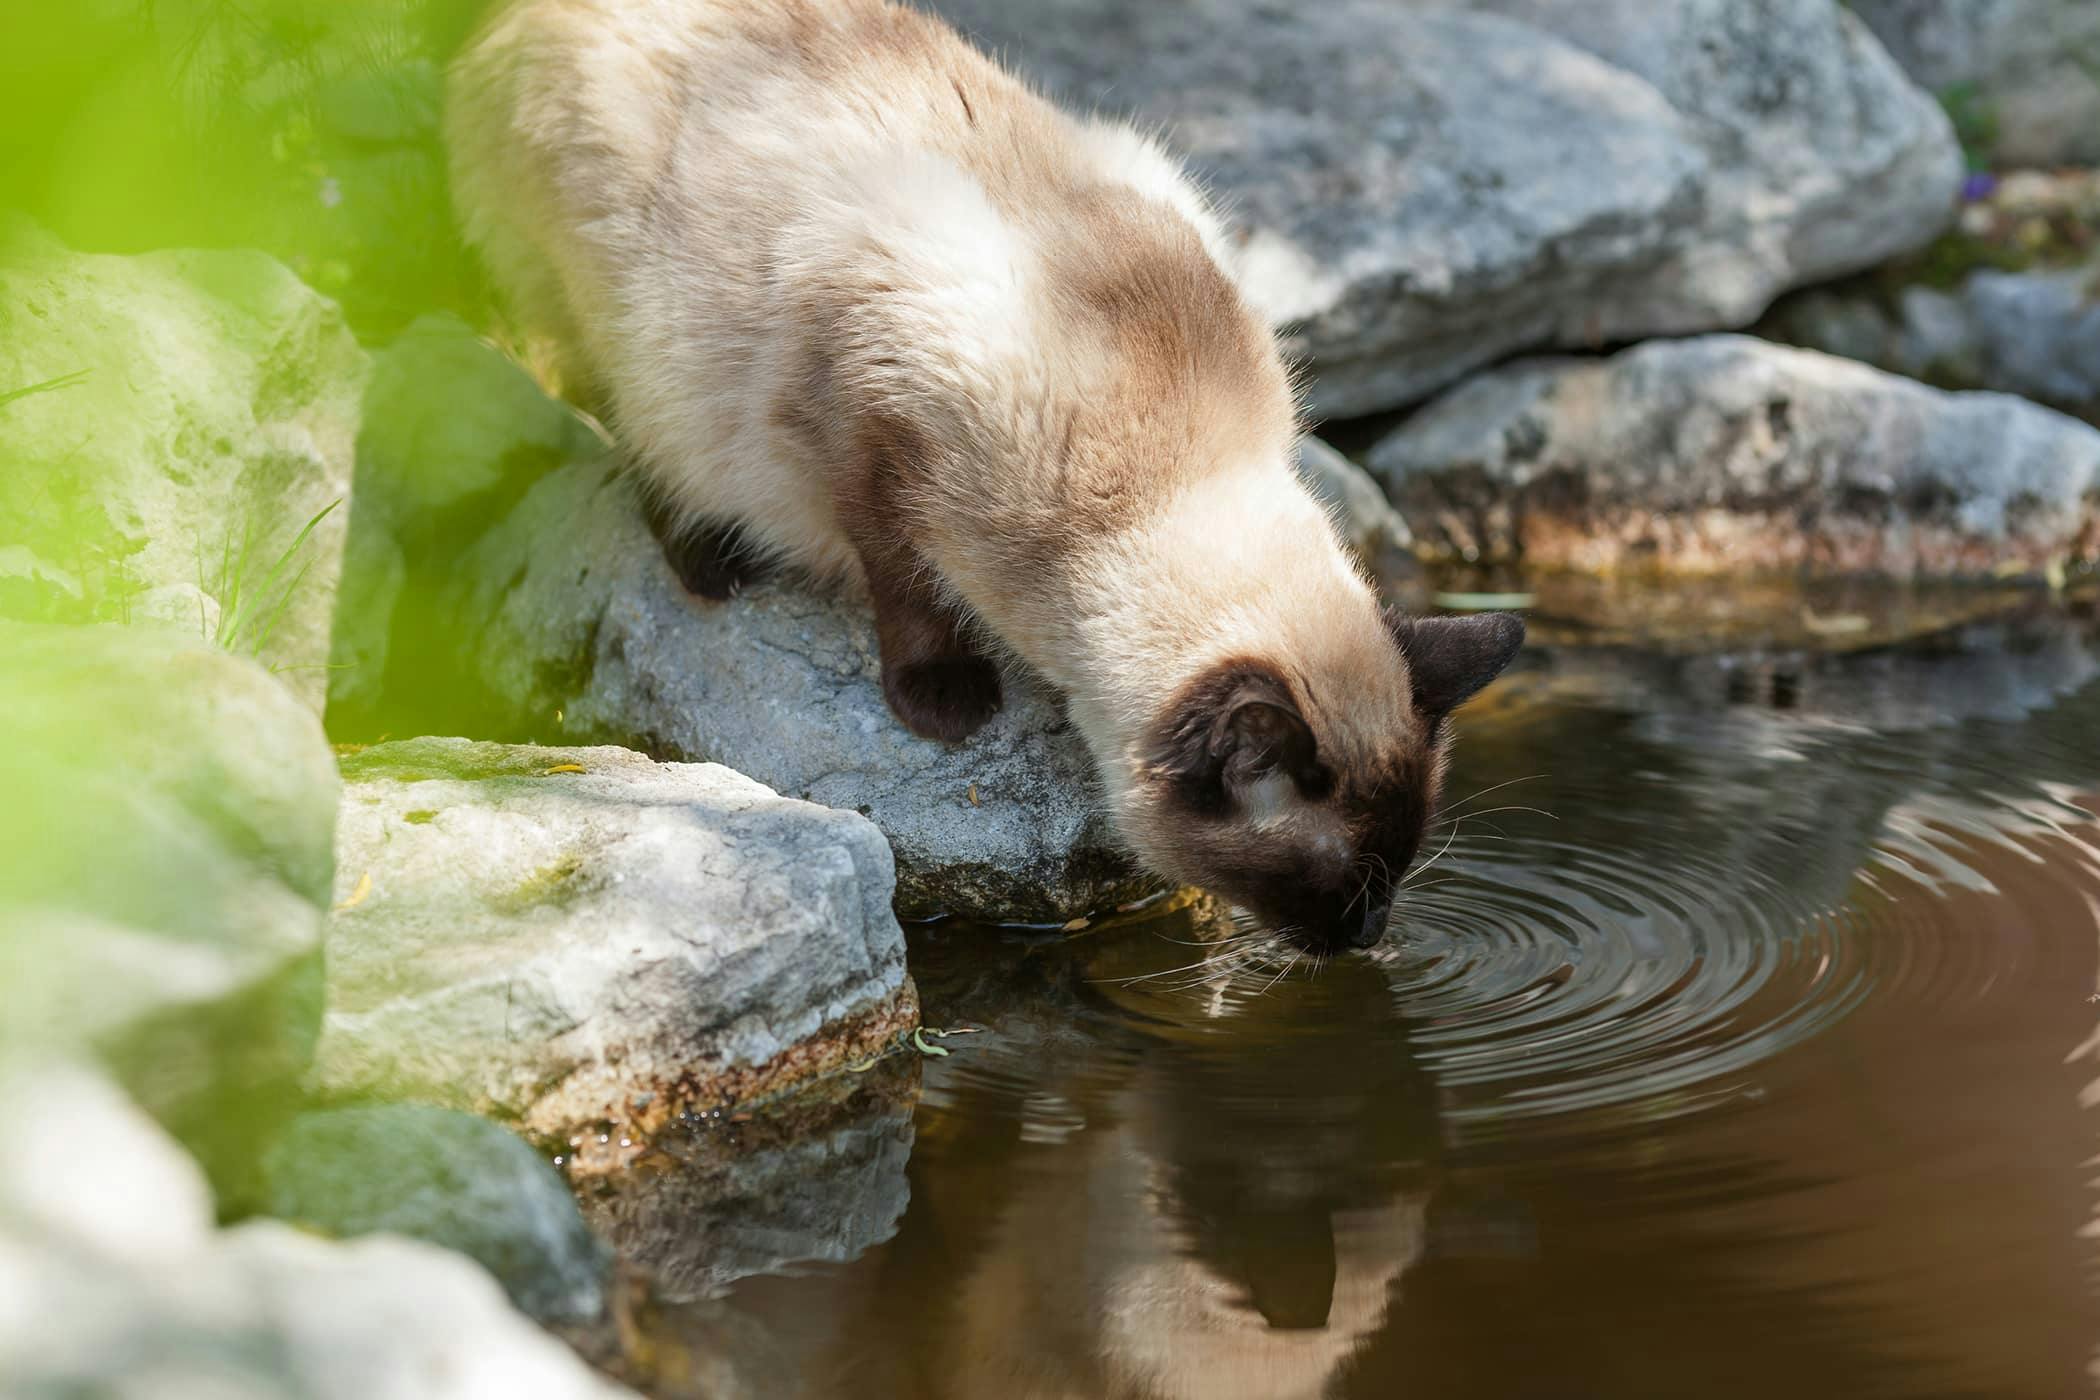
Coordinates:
x,y
1739,1041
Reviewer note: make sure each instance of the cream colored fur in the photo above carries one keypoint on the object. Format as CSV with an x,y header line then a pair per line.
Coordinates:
x,y
696,201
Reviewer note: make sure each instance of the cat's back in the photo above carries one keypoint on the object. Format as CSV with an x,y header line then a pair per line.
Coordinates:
x,y
715,199
690,108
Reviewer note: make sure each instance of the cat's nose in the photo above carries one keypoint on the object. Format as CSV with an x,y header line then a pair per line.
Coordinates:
x,y
1377,913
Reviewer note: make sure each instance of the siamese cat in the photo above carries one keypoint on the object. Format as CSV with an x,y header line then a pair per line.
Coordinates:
x,y
853,297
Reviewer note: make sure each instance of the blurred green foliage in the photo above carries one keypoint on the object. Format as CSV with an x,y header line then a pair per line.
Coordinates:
x,y
306,128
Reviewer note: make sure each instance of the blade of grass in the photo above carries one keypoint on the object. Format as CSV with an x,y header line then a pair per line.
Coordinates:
x,y
270,584
233,579
284,601
63,381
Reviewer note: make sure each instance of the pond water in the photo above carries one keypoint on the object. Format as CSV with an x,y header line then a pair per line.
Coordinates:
x,y
1741,1041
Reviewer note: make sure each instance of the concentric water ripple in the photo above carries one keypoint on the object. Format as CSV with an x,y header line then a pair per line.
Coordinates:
x,y
1607,978
1683,890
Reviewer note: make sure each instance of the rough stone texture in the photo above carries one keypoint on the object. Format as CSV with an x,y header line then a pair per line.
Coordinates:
x,y
1725,453
165,857
2035,334
115,1283
448,1179
580,623
454,432
212,416
1361,512
574,949
2029,69
1422,189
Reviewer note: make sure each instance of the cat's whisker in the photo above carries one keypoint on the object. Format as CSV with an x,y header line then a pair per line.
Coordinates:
x,y
1491,811
1493,787
1416,873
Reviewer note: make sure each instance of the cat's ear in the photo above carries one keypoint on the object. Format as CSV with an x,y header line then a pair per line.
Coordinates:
x,y
1231,727
1452,659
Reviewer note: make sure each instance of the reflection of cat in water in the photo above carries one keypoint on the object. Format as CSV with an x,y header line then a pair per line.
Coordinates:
x,y
1103,1287
1234,1226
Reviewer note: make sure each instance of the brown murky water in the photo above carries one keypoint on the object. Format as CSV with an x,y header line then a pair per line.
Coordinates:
x,y
1742,1043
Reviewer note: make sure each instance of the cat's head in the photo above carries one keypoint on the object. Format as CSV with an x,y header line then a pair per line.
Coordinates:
x,y
1302,788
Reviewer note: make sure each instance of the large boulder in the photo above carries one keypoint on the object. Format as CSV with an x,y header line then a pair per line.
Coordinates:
x,y
1724,453
1422,189
2025,74
577,621
117,1284
446,1178
588,943
166,856
176,434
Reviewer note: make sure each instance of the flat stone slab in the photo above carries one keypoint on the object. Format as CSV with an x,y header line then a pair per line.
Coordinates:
x,y
1725,454
584,941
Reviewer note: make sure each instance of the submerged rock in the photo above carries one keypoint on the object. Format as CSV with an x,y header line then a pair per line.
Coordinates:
x,y
2024,75
1422,189
169,425
118,1285
714,1204
580,624
445,1178
165,858
1725,453
587,942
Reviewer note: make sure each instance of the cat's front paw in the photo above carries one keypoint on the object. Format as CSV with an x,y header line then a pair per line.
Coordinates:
x,y
946,697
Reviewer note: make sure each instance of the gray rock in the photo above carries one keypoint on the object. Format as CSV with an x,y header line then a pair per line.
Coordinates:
x,y
1935,337
1423,189
2038,334
1365,517
592,951
1724,453
165,857
2035,334
445,1178
580,623
197,410
118,1285
2028,70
